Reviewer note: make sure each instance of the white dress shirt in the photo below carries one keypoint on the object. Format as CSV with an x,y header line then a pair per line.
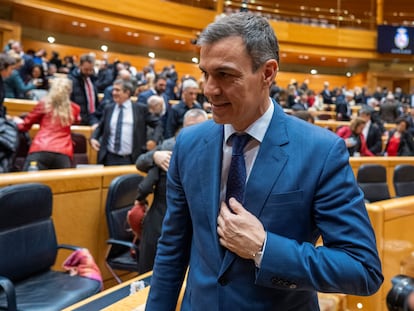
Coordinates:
x,y
127,128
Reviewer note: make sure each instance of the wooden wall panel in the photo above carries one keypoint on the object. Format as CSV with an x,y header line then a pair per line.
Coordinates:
x,y
9,31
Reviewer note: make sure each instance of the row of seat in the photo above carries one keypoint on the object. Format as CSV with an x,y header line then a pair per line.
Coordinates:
x,y
29,248
28,237
372,179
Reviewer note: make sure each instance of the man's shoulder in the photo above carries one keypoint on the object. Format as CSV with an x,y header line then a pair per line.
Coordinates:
x,y
201,130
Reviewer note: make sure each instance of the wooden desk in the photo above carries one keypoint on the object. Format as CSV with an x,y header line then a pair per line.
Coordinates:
x,y
116,298
333,124
17,107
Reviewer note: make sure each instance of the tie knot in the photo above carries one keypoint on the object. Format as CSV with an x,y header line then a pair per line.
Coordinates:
x,y
239,141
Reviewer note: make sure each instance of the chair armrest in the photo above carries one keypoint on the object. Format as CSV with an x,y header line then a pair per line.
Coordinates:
x,y
69,247
123,243
8,288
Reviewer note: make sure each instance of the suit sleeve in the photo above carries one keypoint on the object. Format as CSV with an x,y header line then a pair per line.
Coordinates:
x,y
348,261
173,246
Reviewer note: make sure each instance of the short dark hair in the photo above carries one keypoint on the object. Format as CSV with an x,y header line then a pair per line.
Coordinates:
x,y
87,58
258,36
403,119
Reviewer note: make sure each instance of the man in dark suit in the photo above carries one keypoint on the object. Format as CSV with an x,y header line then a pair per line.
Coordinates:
x,y
177,111
155,163
371,132
258,252
160,85
84,92
123,149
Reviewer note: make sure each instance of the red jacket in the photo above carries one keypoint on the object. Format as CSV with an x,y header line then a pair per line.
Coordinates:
x,y
345,132
51,137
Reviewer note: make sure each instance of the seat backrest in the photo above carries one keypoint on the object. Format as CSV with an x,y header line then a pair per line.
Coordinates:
x,y
80,154
403,180
22,151
27,236
121,196
372,179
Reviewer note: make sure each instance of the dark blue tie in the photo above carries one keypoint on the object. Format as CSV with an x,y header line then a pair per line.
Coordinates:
x,y
118,130
236,180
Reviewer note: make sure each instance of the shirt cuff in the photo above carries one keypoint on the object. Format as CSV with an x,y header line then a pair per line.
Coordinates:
x,y
257,257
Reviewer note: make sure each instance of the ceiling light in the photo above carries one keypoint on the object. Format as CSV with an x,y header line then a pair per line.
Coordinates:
x,y
348,74
156,38
135,34
314,72
51,39
106,29
151,54
83,25
194,60
104,48
75,23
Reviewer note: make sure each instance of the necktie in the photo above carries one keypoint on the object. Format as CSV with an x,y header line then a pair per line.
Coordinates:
x,y
118,130
90,94
237,173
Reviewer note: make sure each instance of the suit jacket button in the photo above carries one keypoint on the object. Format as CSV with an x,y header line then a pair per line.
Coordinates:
x,y
223,281
293,286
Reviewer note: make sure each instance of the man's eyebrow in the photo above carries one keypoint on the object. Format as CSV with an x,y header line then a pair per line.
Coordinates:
x,y
218,69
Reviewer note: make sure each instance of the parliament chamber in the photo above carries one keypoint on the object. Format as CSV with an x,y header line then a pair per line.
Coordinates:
x,y
342,48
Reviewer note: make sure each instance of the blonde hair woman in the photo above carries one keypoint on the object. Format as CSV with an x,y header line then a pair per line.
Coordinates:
x,y
52,147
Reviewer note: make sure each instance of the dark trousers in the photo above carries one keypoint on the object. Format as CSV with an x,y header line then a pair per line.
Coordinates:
x,y
116,159
48,160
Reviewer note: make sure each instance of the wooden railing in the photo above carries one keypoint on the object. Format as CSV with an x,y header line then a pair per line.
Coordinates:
x,y
392,221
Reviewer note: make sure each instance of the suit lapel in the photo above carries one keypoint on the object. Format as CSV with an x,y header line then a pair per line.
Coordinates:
x,y
211,169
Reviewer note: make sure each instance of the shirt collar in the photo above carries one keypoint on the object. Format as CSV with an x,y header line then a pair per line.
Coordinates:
x,y
257,129
126,104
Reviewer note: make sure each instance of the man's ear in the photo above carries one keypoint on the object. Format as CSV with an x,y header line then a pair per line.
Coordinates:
x,y
270,69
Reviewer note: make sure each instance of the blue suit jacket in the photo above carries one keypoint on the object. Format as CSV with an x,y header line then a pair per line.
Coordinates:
x,y
301,186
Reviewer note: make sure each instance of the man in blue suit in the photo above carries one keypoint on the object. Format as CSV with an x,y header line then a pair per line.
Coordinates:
x,y
258,253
